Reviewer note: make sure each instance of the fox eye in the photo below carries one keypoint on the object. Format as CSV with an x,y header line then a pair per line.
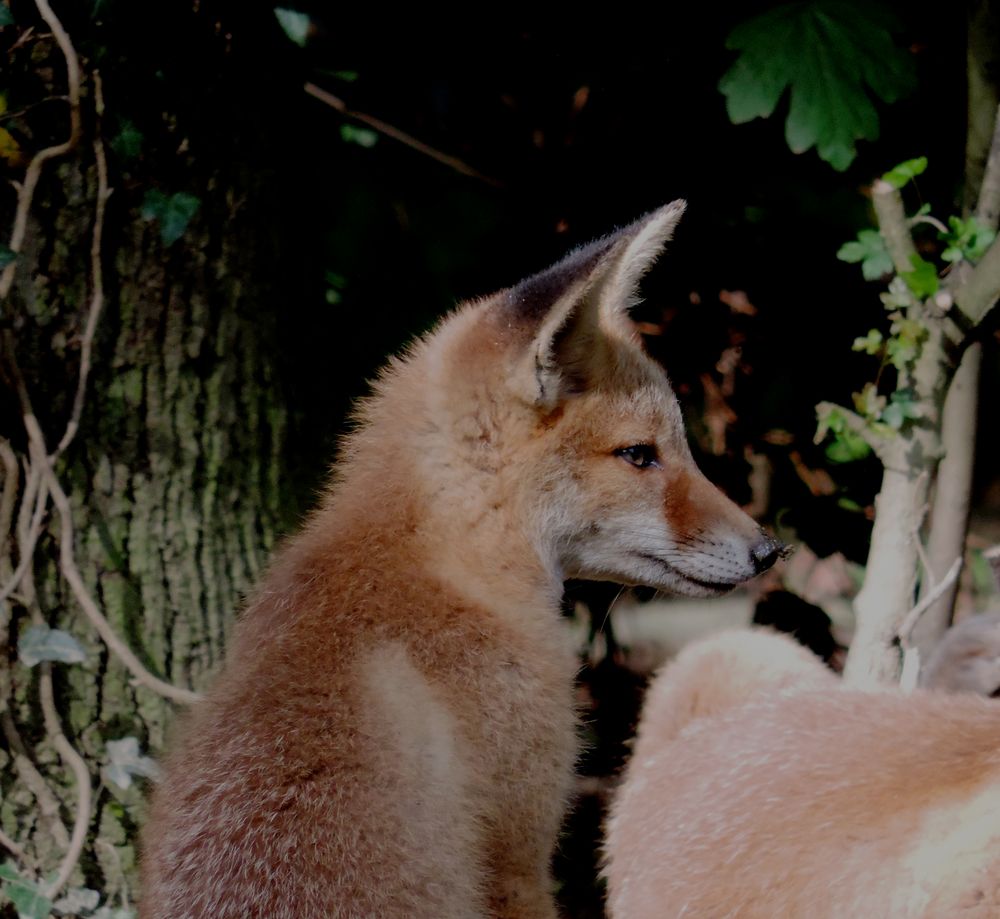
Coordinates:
x,y
642,456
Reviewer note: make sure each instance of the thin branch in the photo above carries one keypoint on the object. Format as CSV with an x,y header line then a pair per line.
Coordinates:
x,y
978,293
906,626
893,225
70,571
35,489
69,755
26,192
13,848
987,211
388,130
929,220
96,273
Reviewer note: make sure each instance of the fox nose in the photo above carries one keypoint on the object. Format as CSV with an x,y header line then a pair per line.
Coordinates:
x,y
766,553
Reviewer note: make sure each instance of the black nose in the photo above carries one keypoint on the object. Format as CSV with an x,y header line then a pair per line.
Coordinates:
x,y
766,553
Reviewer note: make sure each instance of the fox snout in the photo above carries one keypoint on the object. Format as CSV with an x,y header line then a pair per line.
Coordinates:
x,y
766,552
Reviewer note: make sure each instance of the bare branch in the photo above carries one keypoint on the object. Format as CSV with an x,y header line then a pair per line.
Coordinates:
x,y
69,755
893,225
96,273
26,192
976,296
906,627
388,130
70,571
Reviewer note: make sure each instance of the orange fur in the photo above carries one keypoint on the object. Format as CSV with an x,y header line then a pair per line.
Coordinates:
x,y
393,734
789,795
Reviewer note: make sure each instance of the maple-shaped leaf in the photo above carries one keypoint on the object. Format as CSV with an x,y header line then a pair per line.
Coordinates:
x,y
833,55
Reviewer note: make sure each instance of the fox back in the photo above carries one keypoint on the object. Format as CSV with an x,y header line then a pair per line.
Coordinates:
x,y
760,787
393,733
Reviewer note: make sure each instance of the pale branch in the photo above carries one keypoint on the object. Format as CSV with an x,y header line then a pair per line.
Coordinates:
x,y
35,491
71,573
893,225
12,847
977,295
388,130
987,211
69,755
34,781
96,273
26,190
906,626
929,220
992,556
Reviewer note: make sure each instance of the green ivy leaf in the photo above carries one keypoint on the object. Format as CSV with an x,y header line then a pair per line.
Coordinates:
x,y
869,249
6,256
296,25
40,643
173,213
26,896
899,175
901,408
832,54
923,281
868,403
127,143
125,761
6,17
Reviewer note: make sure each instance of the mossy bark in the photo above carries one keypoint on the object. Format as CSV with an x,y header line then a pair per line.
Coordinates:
x,y
176,479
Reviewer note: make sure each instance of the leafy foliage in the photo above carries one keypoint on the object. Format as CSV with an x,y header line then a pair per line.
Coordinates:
x,y
869,249
847,445
923,280
831,54
296,25
899,175
966,239
26,896
6,18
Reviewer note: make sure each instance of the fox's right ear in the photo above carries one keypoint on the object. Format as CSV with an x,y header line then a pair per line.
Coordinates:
x,y
560,311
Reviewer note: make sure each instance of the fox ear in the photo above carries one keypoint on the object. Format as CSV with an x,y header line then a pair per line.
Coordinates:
x,y
563,306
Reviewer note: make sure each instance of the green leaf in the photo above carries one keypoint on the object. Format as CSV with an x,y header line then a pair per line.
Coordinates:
x,y
6,256
125,761
901,408
40,643
833,55
6,17
25,895
869,249
868,403
127,143
966,239
180,209
360,136
923,281
847,447
173,213
296,25
899,175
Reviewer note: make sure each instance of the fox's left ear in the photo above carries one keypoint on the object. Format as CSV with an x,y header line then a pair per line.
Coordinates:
x,y
562,308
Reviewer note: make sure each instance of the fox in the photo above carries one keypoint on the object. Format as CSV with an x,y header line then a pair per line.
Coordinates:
x,y
761,786
393,733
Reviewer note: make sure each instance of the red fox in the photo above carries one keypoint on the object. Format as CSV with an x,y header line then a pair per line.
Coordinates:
x,y
393,733
760,787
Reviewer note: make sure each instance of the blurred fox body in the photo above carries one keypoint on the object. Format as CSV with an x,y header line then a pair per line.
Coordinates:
x,y
760,787
393,734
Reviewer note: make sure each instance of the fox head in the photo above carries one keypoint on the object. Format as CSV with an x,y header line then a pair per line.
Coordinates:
x,y
537,412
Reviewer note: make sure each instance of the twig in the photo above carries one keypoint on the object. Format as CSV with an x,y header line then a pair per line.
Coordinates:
x,y
859,426
931,221
69,755
26,192
37,491
906,626
70,571
96,273
388,130
892,224
13,847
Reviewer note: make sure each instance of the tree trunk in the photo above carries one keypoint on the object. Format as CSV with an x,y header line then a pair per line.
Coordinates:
x,y
175,481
